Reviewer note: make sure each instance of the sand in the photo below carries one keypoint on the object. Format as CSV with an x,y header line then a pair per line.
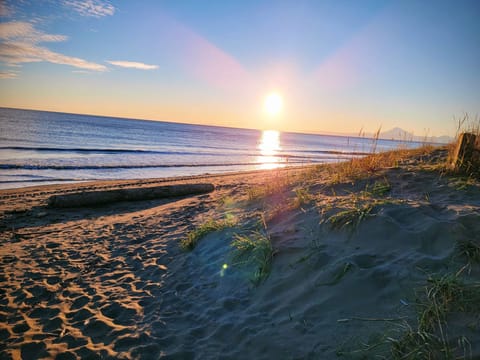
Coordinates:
x,y
112,281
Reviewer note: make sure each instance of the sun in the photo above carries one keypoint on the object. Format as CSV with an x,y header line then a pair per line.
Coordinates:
x,y
273,104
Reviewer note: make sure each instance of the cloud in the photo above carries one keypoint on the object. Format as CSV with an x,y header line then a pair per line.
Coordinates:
x,y
24,31
133,64
8,75
5,10
93,8
19,44
15,53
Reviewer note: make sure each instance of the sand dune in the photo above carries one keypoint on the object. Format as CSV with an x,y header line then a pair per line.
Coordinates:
x,y
113,282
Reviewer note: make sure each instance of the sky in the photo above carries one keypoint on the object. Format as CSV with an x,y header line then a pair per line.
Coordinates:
x,y
339,66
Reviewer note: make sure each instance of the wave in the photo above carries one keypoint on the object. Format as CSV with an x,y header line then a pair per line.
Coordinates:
x,y
146,166
41,180
333,152
285,153
96,150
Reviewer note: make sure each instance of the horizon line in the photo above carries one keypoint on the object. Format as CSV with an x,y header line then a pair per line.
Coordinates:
x,y
349,135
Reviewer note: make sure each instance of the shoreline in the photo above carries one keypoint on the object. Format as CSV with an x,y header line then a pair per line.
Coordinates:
x,y
40,193
351,253
159,179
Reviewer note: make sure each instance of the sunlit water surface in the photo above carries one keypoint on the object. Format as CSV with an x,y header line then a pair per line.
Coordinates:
x,y
42,147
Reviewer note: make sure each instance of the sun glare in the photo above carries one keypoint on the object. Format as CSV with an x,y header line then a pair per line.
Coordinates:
x,y
269,142
273,104
269,147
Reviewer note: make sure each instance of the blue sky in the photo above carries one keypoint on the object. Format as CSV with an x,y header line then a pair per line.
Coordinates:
x,y
340,66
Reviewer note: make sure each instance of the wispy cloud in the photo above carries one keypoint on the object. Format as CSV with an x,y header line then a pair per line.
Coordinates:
x,y
133,64
5,10
16,53
25,32
93,8
19,43
8,75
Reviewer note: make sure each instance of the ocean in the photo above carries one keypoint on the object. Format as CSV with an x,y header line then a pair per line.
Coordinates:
x,y
39,147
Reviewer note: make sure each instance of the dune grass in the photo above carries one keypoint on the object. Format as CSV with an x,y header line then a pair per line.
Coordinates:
x,y
444,295
254,251
361,205
419,345
302,197
380,188
462,183
211,225
469,249
365,167
350,218
440,305
276,185
347,266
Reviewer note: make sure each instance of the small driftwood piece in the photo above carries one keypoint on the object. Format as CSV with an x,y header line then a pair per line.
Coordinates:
x,y
466,156
95,198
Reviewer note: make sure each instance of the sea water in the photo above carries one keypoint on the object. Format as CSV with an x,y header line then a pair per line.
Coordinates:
x,y
38,147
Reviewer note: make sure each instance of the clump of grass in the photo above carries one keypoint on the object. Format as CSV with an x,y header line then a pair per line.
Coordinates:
x,y
381,188
226,201
302,197
364,167
463,182
425,345
254,250
211,225
311,173
275,186
338,276
350,217
418,345
469,249
441,297
444,295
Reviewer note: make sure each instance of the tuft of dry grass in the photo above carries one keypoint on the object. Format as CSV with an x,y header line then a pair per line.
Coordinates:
x,y
365,167
276,185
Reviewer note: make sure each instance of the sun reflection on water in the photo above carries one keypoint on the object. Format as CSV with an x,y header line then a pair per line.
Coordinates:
x,y
269,147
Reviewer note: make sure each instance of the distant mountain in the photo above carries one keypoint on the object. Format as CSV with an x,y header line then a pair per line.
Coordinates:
x,y
443,139
403,135
397,134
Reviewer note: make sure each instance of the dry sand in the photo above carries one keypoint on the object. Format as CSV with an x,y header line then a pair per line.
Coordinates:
x,y
112,281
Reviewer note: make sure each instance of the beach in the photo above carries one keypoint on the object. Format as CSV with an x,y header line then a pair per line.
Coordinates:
x,y
353,253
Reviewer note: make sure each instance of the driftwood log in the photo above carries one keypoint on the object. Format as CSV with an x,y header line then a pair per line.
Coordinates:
x,y
466,156
102,197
